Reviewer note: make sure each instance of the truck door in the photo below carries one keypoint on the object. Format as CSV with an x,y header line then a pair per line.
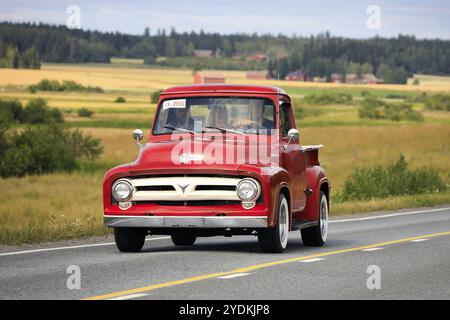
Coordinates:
x,y
291,158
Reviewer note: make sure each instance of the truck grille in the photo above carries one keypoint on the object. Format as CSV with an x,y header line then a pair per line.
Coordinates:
x,y
194,189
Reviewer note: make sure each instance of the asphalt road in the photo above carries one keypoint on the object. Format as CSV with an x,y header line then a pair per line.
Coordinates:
x,y
410,250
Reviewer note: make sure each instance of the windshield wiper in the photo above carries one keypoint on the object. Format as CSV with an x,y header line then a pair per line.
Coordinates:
x,y
180,129
226,130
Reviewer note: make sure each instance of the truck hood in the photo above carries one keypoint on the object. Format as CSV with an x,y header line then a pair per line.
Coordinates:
x,y
201,156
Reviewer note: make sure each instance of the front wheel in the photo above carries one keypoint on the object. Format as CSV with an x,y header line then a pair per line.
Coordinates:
x,y
275,239
129,239
316,236
183,239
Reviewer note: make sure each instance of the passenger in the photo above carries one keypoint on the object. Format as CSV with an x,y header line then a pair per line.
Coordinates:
x,y
180,118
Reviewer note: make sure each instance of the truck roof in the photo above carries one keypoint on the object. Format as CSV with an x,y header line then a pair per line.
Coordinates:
x,y
226,88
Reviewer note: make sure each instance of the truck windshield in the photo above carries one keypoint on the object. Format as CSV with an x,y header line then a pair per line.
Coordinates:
x,y
240,115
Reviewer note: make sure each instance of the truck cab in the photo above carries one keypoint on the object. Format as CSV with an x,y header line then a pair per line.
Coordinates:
x,y
220,160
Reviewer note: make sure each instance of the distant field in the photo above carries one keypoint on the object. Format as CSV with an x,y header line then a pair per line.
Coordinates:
x,y
126,61
76,209
146,79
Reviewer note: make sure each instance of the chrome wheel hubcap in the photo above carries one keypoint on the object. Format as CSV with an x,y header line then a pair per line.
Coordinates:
x,y
284,223
324,218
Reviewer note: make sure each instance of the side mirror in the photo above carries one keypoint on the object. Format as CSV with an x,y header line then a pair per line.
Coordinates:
x,y
138,135
292,134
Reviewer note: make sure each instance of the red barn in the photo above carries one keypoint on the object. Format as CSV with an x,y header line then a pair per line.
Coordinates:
x,y
258,75
208,77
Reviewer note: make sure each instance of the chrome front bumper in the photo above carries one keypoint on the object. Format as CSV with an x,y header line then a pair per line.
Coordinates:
x,y
185,222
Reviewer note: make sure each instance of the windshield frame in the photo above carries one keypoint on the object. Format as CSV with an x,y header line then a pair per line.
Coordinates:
x,y
212,95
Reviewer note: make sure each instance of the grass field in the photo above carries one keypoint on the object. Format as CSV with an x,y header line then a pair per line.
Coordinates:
x,y
67,205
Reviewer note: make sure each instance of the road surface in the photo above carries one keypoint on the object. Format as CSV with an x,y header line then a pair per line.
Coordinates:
x,y
399,255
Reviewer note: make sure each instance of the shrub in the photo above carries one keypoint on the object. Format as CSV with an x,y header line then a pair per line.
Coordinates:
x,y
38,112
155,96
66,85
365,93
120,100
14,107
423,97
373,108
438,102
329,98
5,122
396,96
397,179
86,113
403,111
69,85
45,149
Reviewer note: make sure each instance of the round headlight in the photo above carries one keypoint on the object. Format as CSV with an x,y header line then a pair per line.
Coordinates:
x,y
248,190
122,190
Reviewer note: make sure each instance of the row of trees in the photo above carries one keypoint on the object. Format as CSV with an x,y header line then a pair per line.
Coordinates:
x,y
11,57
392,59
319,55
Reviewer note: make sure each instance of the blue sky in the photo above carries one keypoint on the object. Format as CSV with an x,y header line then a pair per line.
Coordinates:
x,y
424,19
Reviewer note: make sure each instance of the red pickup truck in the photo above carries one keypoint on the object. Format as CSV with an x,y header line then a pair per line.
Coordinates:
x,y
220,160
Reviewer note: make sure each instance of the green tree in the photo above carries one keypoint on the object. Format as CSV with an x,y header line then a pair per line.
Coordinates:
x,y
12,57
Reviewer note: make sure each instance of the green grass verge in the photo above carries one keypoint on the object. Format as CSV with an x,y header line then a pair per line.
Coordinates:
x,y
121,124
394,203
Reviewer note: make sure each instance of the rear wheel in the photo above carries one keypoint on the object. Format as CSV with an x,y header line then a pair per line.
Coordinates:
x,y
183,239
275,239
316,236
129,239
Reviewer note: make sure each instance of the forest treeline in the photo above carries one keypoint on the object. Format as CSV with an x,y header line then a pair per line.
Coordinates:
x,y
26,45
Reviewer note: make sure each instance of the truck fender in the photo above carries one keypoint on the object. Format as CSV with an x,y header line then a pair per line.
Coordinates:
x,y
316,181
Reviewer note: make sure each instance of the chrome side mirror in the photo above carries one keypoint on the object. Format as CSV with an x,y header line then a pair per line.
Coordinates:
x,y
138,135
292,134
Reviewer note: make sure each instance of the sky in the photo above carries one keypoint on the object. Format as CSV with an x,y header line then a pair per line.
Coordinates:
x,y
354,19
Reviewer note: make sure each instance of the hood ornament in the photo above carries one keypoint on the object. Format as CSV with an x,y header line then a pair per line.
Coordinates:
x,y
183,187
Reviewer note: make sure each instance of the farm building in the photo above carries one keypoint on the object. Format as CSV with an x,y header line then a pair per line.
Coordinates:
x,y
319,79
371,78
353,78
337,78
367,78
258,57
298,75
258,75
208,77
203,53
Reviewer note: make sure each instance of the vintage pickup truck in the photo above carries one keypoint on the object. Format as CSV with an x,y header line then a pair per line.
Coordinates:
x,y
220,160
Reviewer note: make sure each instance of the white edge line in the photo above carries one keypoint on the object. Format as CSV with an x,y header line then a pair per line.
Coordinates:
x,y
371,249
130,296
388,215
420,240
162,238
312,260
71,247
235,275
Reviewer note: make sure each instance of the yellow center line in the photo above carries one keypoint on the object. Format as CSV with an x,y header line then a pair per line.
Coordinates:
x,y
256,267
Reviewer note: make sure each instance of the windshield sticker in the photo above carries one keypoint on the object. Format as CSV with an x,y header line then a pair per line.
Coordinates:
x,y
174,104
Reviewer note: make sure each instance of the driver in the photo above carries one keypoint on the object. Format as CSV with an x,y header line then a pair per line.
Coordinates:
x,y
257,120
